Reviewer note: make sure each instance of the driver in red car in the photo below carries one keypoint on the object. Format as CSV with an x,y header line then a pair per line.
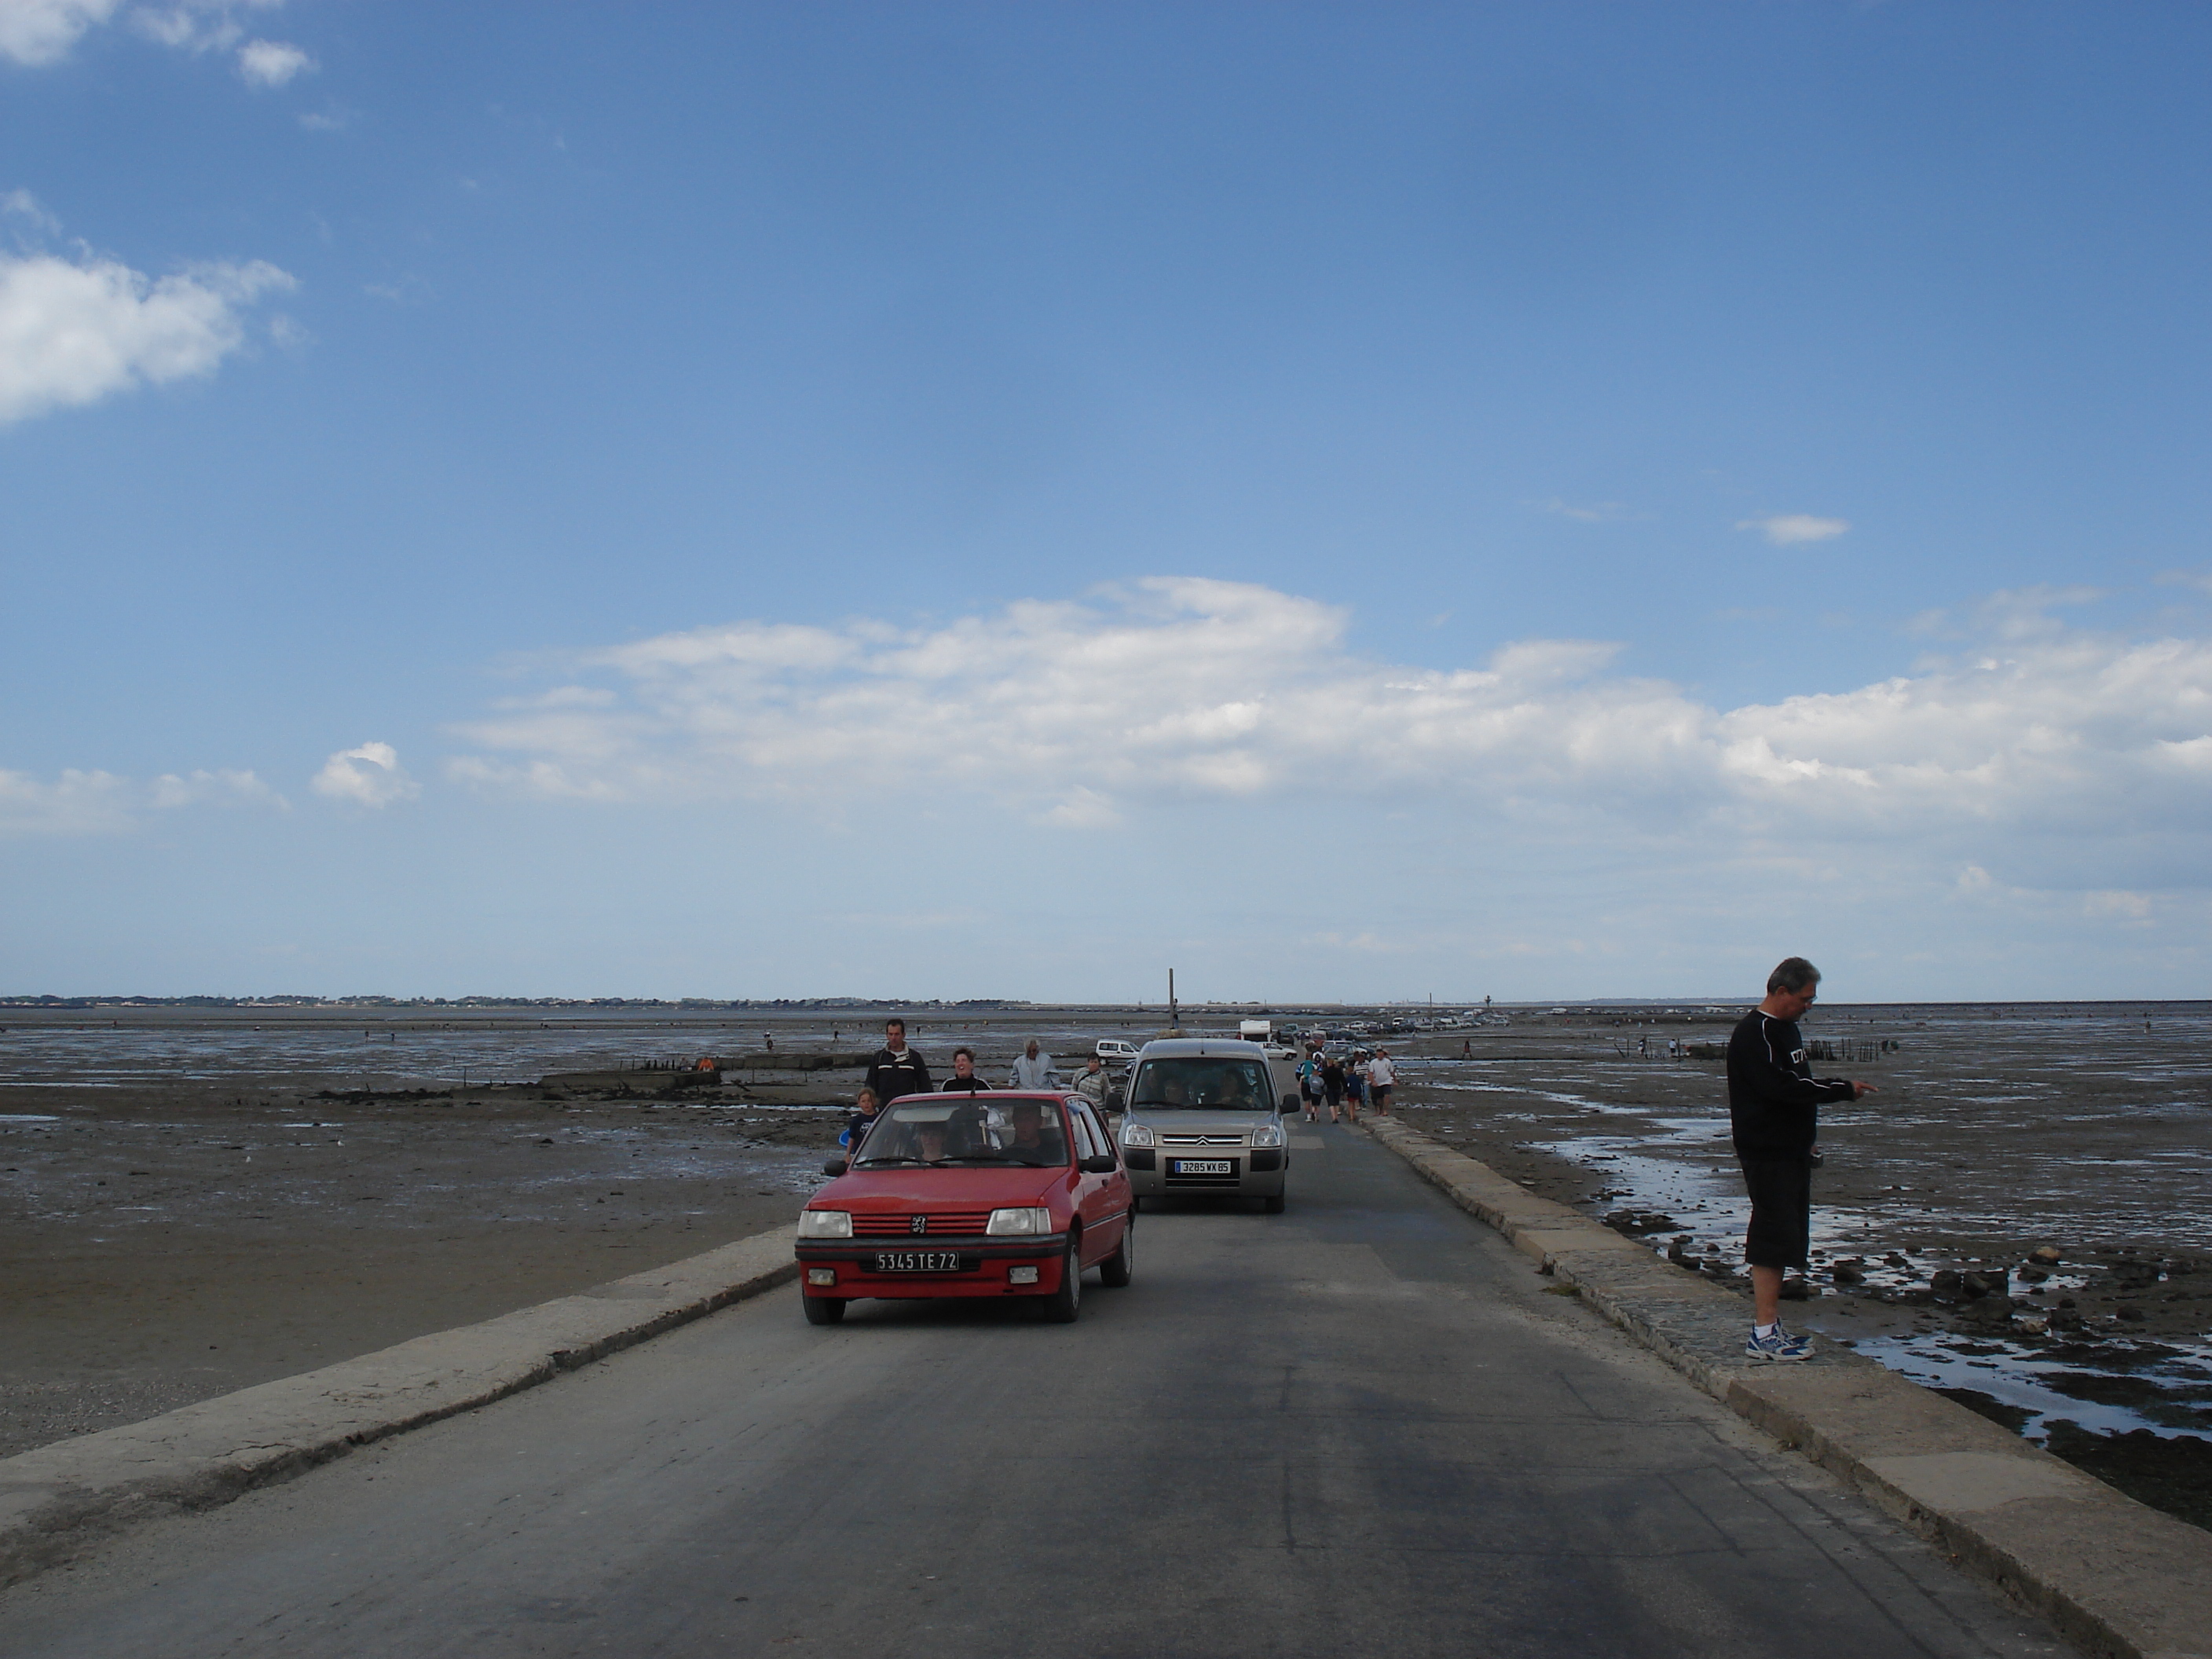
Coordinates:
x,y
1029,1144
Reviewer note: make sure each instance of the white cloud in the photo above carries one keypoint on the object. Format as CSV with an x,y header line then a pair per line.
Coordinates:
x,y
1787,529
271,63
24,205
370,775
84,803
1595,512
40,32
80,802
224,787
1182,689
36,33
73,332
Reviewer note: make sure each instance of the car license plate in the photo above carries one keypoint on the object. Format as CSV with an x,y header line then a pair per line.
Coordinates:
x,y
1204,1166
920,1261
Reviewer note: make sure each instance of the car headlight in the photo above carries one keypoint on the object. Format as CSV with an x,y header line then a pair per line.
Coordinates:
x,y
1136,1134
1020,1221
825,1223
1268,1134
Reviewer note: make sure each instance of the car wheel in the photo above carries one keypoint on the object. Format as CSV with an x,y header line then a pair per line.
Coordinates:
x,y
1116,1269
1274,1205
1067,1301
823,1310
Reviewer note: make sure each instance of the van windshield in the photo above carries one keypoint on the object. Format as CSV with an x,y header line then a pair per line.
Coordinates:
x,y
1212,1085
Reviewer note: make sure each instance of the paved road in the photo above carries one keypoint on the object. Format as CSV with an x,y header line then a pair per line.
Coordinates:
x,y
1357,1428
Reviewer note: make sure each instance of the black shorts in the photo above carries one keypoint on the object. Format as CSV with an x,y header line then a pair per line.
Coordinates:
x,y
1781,1191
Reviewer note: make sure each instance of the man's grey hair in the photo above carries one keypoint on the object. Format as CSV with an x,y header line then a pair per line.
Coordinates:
x,y
1792,975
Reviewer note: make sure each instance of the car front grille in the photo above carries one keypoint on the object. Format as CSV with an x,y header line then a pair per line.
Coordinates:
x,y
1202,1141
936,1222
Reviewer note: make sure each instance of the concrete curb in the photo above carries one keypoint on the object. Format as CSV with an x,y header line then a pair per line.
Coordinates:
x,y
2117,1577
54,1499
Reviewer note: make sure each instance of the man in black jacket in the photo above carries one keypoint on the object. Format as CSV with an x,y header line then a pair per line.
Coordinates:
x,y
1774,1111
896,1070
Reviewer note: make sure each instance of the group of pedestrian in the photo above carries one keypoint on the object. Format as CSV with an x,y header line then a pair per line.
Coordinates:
x,y
897,1071
1345,1083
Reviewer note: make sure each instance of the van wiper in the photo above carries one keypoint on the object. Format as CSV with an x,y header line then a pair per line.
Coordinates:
x,y
889,1160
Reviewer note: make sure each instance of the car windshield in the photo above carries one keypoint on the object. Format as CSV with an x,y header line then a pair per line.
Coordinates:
x,y
1217,1085
977,1129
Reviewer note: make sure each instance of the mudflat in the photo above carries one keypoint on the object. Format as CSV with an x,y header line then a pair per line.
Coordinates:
x,y
163,1245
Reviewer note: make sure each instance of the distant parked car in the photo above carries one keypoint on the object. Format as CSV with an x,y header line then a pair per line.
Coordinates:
x,y
1000,1194
1116,1052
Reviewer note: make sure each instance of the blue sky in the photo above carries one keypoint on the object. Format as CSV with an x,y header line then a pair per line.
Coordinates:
x,y
955,500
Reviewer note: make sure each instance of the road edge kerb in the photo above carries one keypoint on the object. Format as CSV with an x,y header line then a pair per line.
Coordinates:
x,y
2117,1577
56,1499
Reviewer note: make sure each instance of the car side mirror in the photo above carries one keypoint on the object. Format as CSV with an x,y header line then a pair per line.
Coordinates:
x,y
1099,1163
835,1166
1290,1103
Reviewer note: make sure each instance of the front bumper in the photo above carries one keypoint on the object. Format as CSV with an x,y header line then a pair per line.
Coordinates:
x,y
985,1262
1253,1171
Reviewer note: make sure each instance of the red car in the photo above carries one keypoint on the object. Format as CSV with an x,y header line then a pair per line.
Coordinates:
x,y
995,1193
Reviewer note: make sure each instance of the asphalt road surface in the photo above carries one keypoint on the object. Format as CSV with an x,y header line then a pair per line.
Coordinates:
x,y
1360,1427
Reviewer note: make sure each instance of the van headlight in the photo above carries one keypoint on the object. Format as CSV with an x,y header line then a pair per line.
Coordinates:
x,y
825,1223
1268,1134
1030,1222
1136,1134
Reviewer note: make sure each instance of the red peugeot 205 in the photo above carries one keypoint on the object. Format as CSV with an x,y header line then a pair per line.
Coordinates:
x,y
994,1194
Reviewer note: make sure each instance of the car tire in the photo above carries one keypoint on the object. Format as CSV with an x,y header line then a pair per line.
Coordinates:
x,y
1117,1269
1274,1205
823,1310
1065,1305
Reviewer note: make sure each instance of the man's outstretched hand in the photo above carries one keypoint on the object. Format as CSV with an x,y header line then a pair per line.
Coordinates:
x,y
1859,1089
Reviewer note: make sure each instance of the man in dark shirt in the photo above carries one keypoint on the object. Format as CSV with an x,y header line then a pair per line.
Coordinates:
x,y
1774,1112
1031,1145
896,1070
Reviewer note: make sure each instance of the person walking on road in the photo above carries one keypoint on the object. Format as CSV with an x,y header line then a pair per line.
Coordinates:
x,y
1094,1085
1033,1069
896,1070
865,1110
1774,1115
1355,1088
963,1080
1331,1083
1309,1081
1382,1078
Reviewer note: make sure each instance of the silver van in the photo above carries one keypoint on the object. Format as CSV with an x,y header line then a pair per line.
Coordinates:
x,y
1205,1114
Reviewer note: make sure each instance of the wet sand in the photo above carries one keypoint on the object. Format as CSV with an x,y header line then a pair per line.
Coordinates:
x,y
167,1246
1996,1132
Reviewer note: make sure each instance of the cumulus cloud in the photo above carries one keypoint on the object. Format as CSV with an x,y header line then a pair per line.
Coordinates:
x,y
1787,529
85,803
271,63
78,803
36,33
219,788
370,775
40,32
73,332
1186,688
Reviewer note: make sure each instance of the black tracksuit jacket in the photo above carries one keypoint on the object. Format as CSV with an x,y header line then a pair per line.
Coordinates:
x,y
1774,1099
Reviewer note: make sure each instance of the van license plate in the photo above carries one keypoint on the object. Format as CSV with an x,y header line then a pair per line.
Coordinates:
x,y
917,1261
1204,1166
